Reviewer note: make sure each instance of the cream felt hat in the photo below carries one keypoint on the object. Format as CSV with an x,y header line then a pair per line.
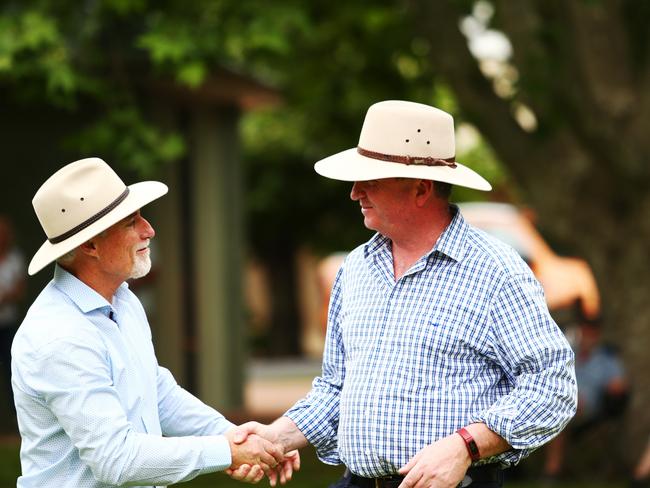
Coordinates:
x,y
403,139
82,200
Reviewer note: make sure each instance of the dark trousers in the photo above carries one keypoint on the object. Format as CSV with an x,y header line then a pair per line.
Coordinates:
x,y
347,481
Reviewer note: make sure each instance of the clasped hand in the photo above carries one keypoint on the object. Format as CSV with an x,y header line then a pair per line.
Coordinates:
x,y
254,456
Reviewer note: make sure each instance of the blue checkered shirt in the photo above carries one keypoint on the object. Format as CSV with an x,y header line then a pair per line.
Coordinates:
x,y
464,336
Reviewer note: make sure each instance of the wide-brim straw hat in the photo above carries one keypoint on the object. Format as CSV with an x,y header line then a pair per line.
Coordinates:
x,y
403,139
80,201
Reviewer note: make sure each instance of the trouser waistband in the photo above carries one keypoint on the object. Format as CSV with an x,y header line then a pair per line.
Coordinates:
x,y
488,473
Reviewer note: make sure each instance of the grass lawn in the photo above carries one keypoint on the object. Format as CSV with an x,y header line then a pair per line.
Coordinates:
x,y
312,475
9,466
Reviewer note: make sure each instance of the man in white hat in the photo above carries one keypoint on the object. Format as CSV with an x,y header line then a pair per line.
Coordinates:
x,y
92,403
442,364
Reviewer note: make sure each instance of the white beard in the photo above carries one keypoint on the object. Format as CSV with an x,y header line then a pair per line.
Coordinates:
x,y
141,266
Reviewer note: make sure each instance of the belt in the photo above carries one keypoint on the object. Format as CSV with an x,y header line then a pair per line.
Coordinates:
x,y
383,482
488,473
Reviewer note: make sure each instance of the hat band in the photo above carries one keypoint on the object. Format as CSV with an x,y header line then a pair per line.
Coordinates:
x,y
91,220
408,160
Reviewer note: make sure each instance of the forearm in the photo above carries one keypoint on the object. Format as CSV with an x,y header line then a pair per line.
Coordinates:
x,y
151,460
489,443
445,462
285,432
182,414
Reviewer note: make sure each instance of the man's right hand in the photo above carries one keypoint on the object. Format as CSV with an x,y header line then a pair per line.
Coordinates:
x,y
254,451
273,433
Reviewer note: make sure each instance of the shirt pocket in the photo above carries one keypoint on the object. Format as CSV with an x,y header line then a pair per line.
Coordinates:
x,y
438,351
428,334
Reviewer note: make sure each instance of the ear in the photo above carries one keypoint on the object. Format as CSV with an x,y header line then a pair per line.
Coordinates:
x,y
423,192
89,248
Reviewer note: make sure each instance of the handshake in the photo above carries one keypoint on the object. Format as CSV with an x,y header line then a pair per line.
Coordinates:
x,y
259,450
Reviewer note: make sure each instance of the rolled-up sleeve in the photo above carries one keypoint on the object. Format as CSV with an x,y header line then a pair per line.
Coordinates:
x,y
538,360
317,415
72,377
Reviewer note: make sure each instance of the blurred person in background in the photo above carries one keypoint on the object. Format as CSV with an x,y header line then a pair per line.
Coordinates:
x,y
603,391
94,407
327,270
442,364
12,291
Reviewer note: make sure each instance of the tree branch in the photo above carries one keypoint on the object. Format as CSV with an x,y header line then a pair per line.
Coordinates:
x,y
522,24
479,103
592,86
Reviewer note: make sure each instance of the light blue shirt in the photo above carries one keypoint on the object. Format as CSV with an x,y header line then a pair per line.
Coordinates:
x,y
92,402
464,336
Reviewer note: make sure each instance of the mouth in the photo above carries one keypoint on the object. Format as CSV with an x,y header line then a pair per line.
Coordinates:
x,y
143,250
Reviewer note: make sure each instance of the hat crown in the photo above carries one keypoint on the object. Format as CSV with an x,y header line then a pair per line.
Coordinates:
x,y
408,129
74,194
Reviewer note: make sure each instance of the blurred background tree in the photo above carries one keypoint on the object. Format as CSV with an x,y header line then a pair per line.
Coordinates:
x,y
564,104
568,115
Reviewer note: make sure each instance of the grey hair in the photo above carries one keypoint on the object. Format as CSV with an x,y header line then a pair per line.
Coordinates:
x,y
67,258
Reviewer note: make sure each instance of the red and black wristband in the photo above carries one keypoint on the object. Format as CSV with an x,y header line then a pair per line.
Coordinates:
x,y
470,443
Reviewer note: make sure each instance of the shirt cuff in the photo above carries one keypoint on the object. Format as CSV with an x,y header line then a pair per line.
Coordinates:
x,y
326,445
216,454
503,428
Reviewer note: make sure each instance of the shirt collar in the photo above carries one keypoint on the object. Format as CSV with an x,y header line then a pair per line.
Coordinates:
x,y
450,243
80,293
375,244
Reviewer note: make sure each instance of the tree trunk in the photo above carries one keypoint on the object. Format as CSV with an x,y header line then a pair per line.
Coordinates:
x,y
585,169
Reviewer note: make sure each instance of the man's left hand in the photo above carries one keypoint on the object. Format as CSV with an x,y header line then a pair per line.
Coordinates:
x,y
442,464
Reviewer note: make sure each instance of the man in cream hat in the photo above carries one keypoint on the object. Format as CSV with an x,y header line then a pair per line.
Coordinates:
x,y
92,403
442,364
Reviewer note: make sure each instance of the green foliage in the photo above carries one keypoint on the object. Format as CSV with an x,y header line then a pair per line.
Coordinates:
x,y
349,57
329,60
31,46
133,143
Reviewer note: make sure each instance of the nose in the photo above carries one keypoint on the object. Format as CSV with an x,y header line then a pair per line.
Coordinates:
x,y
357,191
145,229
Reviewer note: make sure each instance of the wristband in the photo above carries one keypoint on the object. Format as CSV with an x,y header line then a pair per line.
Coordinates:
x,y
470,443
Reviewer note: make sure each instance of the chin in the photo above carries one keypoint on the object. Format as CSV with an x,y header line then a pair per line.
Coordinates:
x,y
369,225
141,268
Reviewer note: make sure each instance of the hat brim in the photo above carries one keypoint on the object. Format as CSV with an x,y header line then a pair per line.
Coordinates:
x,y
349,165
139,195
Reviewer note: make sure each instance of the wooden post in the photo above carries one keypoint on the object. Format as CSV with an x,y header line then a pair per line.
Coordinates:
x,y
216,247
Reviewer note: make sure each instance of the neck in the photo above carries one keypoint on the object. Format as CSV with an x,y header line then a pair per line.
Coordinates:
x,y
98,282
418,238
